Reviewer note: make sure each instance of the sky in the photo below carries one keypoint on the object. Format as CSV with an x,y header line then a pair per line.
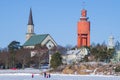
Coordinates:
x,y
59,19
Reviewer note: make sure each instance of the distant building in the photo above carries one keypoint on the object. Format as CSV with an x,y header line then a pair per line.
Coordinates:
x,y
111,44
83,30
75,56
32,39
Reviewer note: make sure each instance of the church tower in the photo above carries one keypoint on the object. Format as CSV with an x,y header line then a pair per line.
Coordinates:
x,y
30,30
83,30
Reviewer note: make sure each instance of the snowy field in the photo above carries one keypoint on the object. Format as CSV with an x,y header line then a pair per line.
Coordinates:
x,y
28,76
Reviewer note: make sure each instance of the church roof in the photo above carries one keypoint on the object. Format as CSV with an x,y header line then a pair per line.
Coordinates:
x,y
30,21
36,39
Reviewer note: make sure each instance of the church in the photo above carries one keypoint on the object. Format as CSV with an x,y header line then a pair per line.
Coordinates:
x,y
33,39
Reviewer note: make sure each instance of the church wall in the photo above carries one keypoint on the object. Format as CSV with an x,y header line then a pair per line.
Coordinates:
x,y
48,38
29,47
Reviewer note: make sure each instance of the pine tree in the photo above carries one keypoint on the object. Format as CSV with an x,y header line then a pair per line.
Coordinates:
x,y
12,48
56,60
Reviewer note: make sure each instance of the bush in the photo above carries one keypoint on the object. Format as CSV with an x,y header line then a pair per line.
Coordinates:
x,y
56,60
117,69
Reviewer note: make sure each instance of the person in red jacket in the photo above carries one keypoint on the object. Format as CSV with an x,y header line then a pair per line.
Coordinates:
x,y
32,75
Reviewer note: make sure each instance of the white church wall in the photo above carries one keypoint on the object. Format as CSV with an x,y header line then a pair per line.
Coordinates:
x,y
49,41
50,45
31,47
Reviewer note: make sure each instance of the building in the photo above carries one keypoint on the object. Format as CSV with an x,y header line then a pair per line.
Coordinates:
x,y
111,44
75,56
83,30
33,39
42,39
83,41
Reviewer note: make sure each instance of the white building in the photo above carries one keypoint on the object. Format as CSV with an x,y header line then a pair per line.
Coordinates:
x,y
111,44
74,56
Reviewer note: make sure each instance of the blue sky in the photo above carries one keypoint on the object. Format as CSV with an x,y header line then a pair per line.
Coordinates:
x,y
59,19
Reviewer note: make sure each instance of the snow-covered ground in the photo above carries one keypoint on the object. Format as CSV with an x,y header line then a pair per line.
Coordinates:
x,y
27,70
28,76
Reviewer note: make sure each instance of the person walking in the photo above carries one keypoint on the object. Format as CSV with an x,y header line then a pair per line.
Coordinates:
x,y
32,75
49,75
44,74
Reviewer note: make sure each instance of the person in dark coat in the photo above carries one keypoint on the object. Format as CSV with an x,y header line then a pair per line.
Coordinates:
x,y
49,75
44,74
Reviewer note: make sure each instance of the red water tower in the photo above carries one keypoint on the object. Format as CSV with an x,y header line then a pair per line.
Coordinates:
x,y
83,30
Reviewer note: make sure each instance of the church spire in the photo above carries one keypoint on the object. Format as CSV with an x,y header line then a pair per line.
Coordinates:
x,y
30,21
30,30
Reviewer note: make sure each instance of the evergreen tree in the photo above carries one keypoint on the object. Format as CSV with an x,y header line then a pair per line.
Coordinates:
x,y
12,48
56,60
101,53
117,45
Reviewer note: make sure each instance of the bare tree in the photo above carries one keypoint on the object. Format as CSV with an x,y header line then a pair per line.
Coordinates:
x,y
4,59
42,54
23,57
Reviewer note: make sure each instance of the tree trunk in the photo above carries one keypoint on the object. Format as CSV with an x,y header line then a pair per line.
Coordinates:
x,y
23,64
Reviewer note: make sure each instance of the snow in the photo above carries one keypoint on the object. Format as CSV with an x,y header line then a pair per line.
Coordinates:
x,y
20,71
28,76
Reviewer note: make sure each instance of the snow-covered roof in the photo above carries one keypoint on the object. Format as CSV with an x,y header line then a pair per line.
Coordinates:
x,y
73,51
